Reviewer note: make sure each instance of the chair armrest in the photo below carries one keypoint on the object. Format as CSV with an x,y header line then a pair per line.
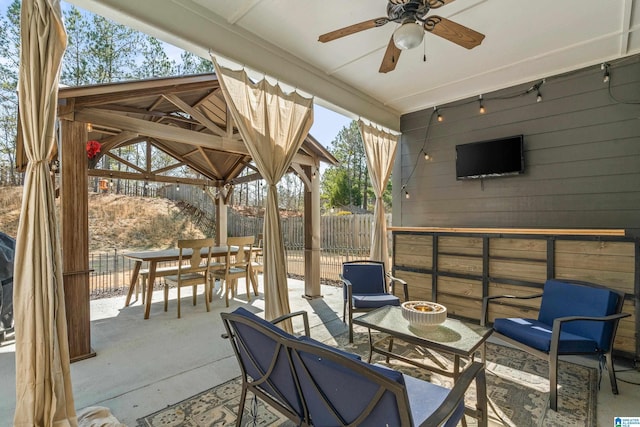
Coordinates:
x,y
557,326
305,319
346,284
402,282
475,371
486,300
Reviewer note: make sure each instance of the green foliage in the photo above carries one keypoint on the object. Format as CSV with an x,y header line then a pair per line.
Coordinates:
x,y
348,184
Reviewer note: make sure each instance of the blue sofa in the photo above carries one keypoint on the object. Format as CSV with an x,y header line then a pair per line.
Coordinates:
x,y
315,384
574,318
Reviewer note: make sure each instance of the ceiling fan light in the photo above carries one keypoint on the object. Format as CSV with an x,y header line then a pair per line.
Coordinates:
x,y
408,36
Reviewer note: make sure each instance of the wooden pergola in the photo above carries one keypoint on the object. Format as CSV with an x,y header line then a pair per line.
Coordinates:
x,y
184,117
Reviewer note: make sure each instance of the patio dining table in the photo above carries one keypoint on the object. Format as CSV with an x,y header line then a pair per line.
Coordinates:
x,y
166,255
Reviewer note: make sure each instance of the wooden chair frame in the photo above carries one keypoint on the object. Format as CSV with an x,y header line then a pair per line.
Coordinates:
x,y
193,270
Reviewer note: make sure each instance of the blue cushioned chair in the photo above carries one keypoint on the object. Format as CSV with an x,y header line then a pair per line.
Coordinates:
x,y
365,289
314,384
574,318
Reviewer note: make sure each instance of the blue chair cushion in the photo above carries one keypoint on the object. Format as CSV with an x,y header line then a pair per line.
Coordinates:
x,y
425,397
311,341
536,334
258,363
348,391
561,299
374,301
365,278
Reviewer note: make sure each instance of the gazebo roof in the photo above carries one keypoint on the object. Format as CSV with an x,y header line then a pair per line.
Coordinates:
x,y
185,117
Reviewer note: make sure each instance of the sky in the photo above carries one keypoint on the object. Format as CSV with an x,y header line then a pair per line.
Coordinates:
x,y
326,124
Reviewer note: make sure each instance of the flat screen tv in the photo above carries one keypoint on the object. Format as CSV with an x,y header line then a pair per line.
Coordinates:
x,y
487,159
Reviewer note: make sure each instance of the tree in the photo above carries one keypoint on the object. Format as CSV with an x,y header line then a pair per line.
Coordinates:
x,y
112,52
9,66
193,64
155,61
75,64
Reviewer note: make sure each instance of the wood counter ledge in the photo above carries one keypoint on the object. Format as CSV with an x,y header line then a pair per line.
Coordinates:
x,y
533,231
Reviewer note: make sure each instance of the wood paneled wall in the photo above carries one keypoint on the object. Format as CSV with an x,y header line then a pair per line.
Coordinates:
x,y
582,157
459,269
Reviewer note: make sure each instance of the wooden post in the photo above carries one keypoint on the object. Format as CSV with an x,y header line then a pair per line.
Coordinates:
x,y
311,233
74,224
221,218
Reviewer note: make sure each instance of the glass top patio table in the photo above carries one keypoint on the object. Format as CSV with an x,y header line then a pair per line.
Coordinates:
x,y
459,338
453,336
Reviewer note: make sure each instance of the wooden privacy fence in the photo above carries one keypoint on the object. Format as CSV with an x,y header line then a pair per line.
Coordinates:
x,y
343,238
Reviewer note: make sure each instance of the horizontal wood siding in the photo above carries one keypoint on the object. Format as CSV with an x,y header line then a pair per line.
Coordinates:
x,y
582,157
470,266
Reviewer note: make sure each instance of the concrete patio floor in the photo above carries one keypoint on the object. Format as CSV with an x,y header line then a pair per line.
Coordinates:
x,y
144,365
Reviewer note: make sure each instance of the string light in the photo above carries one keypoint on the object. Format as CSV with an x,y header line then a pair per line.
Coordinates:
x,y
177,186
89,127
606,76
535,88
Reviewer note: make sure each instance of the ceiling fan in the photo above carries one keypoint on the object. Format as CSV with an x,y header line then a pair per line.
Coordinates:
x,y
412,15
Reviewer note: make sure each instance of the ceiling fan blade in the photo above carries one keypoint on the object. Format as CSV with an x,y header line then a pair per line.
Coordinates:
x,y
434,4
351,29
391,57
454,32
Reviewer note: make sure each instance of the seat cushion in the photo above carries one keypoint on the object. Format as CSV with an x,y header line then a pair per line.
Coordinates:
x,y
585,301
538,335
425,397
374,301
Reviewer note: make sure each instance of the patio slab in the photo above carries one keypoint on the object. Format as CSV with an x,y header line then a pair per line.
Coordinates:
x,y
144,365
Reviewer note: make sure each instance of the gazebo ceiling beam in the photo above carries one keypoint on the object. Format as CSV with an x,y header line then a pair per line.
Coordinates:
x,y
171,133
162,146
209,162
194,113
115,140
136,111
168,168
107,173
126,163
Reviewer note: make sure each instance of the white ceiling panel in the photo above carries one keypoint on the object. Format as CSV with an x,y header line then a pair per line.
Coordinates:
x,y
525,40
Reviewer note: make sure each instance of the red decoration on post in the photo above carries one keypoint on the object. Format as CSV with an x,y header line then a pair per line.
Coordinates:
x,y
93,148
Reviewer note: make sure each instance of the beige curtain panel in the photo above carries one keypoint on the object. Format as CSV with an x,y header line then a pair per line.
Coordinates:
x,y
44,395
380,150
273,126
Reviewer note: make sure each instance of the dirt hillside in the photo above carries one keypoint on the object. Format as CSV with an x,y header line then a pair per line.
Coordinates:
x,y
115,221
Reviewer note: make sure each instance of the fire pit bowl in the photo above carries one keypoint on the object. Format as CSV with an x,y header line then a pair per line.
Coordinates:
x,y
424,314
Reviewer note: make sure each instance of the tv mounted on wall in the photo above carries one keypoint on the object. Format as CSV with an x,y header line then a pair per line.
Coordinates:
x,y
492,158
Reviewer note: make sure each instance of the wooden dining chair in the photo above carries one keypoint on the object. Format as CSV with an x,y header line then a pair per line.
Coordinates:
x,y
237,266
256,266
193,269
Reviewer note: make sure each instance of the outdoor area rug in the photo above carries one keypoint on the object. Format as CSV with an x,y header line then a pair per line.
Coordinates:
x,y
517,388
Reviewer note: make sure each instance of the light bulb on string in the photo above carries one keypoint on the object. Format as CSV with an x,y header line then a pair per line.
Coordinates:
x,y
539,97
426,155
177,186
482,110
439,116
606,76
